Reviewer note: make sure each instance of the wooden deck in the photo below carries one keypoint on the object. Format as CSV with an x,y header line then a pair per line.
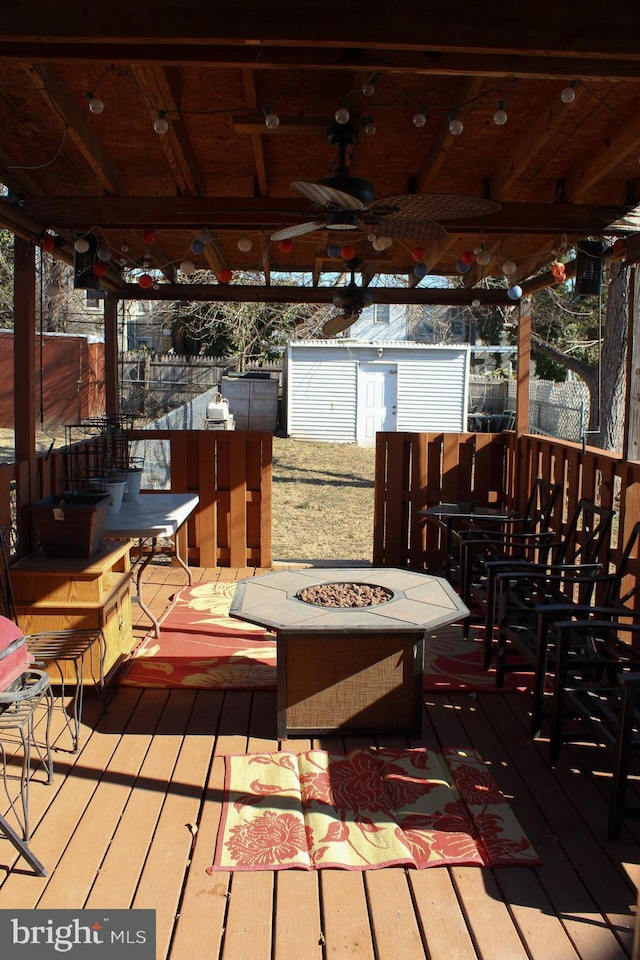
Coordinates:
x,y
130,822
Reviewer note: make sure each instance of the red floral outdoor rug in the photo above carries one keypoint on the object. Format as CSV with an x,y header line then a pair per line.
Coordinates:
x,y
202,647
367,810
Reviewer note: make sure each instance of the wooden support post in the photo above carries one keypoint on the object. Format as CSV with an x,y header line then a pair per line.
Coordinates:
x,y
524,362
631,442
24,365
112,399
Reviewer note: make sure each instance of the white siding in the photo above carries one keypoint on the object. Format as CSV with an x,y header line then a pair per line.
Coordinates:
x,y
323,381
367,328
432,392
322,398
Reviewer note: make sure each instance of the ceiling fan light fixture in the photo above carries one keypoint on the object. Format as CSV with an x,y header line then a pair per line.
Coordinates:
x,y
342,219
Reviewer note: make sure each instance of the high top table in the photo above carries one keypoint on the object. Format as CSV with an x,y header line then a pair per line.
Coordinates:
x,y
146,519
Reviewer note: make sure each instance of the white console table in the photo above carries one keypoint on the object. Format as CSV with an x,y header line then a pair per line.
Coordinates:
x,y
146,519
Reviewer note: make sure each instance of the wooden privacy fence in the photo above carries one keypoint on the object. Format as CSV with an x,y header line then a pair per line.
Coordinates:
x,y
231,471
417,470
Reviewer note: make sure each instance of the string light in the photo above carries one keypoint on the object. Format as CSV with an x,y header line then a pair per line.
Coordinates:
x,y
245,244
420,118
369,127
500,116
342,115
95,104
160,125
81,245
368,88
272,120
187,267
568,94
455,126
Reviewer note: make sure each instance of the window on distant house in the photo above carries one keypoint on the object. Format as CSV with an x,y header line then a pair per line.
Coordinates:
x,y
93,299
383,313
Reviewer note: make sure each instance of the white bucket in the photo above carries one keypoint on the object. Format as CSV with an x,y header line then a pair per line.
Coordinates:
x,y
114,487
134,479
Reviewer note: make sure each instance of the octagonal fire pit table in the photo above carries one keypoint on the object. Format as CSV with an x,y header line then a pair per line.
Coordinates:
x,y
349,644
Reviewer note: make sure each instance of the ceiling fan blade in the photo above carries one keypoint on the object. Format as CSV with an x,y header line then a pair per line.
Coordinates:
x,y
401,226
323,196
435,206
339,323
298,229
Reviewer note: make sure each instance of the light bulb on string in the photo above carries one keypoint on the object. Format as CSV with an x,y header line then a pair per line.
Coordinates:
x,y
160,125
369,88
104,254
508,267
342,115
271,120
95,104
455,126
568,94
420,118
515,292
483,256
475,303
463,267
197,246
187,267
500,116
81,245
369,127
245,244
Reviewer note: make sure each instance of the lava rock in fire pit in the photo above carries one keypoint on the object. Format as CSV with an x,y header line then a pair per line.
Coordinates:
x,y
345,594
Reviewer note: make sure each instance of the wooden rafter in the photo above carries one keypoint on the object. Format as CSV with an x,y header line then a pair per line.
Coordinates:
x,y
467,89
163,95
50,83
257,141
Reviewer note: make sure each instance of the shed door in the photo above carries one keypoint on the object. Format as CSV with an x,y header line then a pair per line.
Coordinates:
x,y
377,397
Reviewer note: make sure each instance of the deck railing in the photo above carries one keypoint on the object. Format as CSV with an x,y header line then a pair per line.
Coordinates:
x,y
229,470
417,470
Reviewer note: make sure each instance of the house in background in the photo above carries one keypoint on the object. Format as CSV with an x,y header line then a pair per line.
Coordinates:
x,y
419,322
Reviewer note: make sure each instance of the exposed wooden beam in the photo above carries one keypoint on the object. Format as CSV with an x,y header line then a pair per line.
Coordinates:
x,y
257,141
468,88
244,293
51,85
622,140
163,94
548,119
489,64
501,28
193,213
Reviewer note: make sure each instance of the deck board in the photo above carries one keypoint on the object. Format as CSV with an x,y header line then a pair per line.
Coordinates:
x,y
117,828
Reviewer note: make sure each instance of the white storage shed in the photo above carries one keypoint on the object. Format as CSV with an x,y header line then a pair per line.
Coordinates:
x,y
341,391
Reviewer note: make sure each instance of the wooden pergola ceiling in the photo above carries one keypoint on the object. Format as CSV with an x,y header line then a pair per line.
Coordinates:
x,y
560,171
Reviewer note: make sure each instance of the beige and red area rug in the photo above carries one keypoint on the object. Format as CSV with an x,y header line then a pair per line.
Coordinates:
x,y
202,647
367,810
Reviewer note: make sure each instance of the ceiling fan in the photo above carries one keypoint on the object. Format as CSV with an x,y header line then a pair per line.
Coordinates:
x,y
351,301
349,203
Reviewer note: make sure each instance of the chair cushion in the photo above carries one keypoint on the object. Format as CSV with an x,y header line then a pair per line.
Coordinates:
x,y
15,658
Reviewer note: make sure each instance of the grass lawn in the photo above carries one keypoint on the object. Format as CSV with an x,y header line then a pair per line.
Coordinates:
x,y
322,501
